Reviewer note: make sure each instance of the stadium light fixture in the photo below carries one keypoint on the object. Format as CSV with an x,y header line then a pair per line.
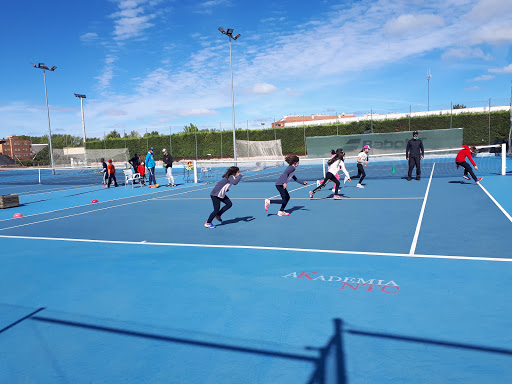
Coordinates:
x,y
45,68
229,34
82,97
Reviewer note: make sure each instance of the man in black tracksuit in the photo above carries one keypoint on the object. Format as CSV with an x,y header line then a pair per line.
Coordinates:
x,y
167,158
414,152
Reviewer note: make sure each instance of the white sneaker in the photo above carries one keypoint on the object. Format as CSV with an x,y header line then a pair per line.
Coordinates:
x,y
318,182
267,204
345,180
359,186
466,177
334,189
283,213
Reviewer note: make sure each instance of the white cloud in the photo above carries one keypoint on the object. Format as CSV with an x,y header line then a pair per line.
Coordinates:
x,y
483,78
197,112
412,24
465,53
207,7
507,69
131,21
475,88
88,37
292,92
263,89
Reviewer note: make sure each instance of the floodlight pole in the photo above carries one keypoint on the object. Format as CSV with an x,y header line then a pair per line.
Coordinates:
x,y
229,34
429,76
44,68
82,97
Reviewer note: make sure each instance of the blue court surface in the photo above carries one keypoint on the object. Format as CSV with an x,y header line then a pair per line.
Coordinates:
x,y
400,282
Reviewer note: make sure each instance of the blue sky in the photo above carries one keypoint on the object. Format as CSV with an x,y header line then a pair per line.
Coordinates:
x,y
156,64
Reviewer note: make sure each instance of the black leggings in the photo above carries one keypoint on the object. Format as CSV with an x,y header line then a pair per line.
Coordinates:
x,y
285,197
216,207
467,169
329,176
414,162
111,177
361,174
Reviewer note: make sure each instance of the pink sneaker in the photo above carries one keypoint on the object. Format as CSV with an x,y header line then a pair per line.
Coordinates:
x,y
479,179
283,213
311,194
267,203
337,197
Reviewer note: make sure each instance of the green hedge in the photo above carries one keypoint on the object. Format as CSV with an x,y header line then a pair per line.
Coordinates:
x,y
476,132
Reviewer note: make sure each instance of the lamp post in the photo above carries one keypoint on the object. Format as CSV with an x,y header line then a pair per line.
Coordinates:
x,y
429,76
82,97
45,68
229,34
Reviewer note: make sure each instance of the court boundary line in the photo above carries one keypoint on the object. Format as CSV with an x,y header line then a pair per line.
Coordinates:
x,y
496,202
90,211
420,218
298,198
109,201
255,247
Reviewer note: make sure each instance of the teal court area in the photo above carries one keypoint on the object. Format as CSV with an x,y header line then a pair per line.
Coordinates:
x,y
400,282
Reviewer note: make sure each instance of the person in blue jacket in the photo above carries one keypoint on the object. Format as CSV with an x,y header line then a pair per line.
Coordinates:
x,y
150,165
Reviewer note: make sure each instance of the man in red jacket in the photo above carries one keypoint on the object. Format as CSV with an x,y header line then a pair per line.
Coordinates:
x,y
461,160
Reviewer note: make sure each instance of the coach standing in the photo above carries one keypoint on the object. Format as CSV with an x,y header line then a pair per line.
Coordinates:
x,y
414,152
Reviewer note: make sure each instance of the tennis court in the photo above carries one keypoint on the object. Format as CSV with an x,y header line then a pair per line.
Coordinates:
x,y
400,282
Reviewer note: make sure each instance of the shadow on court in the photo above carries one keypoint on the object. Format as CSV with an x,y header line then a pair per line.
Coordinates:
x,y
236,220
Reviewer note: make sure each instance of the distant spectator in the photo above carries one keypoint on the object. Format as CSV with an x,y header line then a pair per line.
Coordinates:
x,y
168,167
111,174
414,152
104,170
134,162
142,172
150,165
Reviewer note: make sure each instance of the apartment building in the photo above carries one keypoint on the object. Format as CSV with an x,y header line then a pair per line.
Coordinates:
x,y
15,148
308,120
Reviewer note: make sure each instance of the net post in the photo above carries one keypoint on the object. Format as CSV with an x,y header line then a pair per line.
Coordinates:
x,y
39,171
503,159
194,164
323,167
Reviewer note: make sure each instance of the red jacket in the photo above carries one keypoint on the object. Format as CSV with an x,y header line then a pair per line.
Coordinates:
x,y
461,156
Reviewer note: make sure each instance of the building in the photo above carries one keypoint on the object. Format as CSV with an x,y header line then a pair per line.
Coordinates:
x,y
308,120
16,148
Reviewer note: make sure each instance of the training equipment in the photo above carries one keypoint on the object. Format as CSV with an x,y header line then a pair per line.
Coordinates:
x,y
17,215
393,169
9,201
94,201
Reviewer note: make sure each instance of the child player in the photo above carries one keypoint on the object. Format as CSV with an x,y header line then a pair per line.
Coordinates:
x,y
141,169
362,158
282,183
104,170
460,160
335,164
218,195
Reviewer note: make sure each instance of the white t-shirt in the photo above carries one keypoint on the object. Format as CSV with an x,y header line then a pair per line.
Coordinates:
x,y
363,156
336,166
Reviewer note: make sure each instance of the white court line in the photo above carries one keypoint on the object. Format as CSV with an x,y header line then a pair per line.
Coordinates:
x,y
296,189
298,198
495,202
420,219
103,202
145,243
90,211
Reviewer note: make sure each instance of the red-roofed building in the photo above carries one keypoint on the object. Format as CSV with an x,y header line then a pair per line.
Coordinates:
x,y
287,120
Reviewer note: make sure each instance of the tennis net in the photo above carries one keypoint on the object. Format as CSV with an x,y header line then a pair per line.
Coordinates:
x,y
491,160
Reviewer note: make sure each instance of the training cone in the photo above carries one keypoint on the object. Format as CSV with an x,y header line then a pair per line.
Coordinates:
x,y
393,170
16,215
94,201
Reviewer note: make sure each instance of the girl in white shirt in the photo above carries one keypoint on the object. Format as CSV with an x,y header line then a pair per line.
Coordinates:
x,y
335,164
362,158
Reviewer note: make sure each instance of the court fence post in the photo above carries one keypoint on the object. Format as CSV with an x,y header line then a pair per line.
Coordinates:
x,y
503,159
194,164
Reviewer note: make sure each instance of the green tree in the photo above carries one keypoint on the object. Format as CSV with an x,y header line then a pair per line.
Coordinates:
x,y
191,128
113,135
459,106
